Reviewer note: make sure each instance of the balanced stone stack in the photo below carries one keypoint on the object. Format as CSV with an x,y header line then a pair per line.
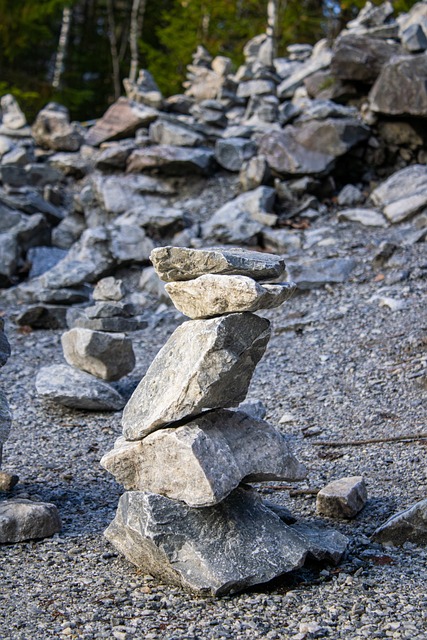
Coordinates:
x,y
95,358
184,453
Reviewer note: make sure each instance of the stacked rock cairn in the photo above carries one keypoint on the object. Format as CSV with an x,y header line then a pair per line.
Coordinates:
x,y
186,517
95,357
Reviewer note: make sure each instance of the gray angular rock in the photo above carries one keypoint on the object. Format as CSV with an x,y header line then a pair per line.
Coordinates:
x,y
214,295
403,194
109,289
173,160
401,87
52,129
43,316
129,243
349,196
201,462
255,88
43,258
216,360
154,220
114,322
365,217
144,90
180,263
12,115
254,173
323,544
120,120
360,57
75,389
317,273
4,345
342,498
191,547
22,519
320,58
414,38
409,525
312,147
109,356
231,153
171,133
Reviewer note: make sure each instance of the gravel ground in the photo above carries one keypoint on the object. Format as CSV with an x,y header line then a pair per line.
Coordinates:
x,y
343,367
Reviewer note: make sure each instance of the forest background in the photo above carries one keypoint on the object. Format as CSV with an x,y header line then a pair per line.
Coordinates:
x,y
77,52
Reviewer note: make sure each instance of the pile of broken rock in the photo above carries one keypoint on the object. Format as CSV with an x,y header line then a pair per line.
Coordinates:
x,y
185,517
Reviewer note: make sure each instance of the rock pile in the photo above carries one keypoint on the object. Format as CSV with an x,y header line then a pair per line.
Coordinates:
x,y
184,453
95,356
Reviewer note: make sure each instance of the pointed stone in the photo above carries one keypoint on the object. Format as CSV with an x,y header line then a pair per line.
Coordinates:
x,y
201,462
327,545
409,525
214,295
205,364
216,550
179,263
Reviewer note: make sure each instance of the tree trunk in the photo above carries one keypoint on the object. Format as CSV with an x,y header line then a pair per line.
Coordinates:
x,y
113,49
272,23
62,47
136,21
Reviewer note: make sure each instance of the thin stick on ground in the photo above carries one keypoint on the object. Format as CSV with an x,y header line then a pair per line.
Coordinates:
x,y
354,443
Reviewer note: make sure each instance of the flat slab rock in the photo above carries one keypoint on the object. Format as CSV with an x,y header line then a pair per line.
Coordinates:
x,y
109,356
342,498
202,461
179,263
403,194
213,295
205,364
77,389
27,520
406,526
216,550
121,120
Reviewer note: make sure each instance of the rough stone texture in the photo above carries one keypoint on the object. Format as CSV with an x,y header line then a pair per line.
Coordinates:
x,y
7,480
403,194
254,173
179,263
231,153
406,526
366,217
108,356
109,289
52,129
4,345
191,547
213,295
171,133
201,462
360,57
22,519
401,88
5,420
414,38
121,120
317,273
312,147
173,160
323,544
320,59
43,316
76,389
342,498
216,360
114,322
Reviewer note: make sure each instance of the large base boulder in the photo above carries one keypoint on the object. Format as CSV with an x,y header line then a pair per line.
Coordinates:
x,y
216,550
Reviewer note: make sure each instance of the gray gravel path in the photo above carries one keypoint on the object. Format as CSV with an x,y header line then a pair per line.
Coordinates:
x,y
349,369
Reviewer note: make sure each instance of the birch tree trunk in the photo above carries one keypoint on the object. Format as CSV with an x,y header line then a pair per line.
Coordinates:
x,y
136,21
62,47
113,49
272,24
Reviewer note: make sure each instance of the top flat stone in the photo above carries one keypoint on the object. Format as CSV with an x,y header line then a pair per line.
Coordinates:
x,y
179,263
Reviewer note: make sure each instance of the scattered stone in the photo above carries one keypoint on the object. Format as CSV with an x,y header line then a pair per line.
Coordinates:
x,y
318,273
414,38
401,87
231,153
76,389
108,289
121,120
43,316
254,173
173,160
12,116
360,57
201,462
52,129
7,481
22,519
179,263
43,258
342,498
108,356
217,358
191,547
409,525
349,196
144,90
164,132
366,217
403,194
213,295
